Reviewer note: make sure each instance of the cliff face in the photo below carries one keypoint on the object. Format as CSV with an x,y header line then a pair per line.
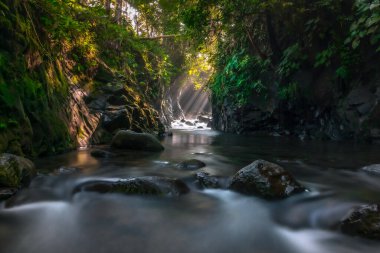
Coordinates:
x,y
64,84
326,112
79,119
307,69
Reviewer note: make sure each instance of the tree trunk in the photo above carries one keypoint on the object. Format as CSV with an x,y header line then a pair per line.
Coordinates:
x,y
108,7
119,11
276,50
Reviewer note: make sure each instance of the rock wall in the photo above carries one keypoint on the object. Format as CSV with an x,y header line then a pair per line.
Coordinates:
x,y
78,118
324,112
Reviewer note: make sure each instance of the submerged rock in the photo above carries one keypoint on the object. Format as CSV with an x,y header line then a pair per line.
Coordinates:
x,y
6,193
32,195
159,186
265,179
66,171
204,180
98,153
372,169
15,171
189,123
126,139
364,221
192,164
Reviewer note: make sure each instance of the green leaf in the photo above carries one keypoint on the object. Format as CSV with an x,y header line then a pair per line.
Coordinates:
x,y
355,43
374,6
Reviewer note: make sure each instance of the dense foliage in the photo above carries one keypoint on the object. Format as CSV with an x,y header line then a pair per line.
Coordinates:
x,y
250,40
49,46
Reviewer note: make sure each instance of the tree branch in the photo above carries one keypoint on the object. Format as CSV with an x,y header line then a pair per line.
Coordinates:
x,y
160,37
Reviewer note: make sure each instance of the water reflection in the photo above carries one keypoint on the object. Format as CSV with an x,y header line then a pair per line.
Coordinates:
x,y
186,139
54,220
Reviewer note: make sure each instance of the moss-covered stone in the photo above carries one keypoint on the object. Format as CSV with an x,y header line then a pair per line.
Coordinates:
x,y
125,139
363,221
15,171
266,180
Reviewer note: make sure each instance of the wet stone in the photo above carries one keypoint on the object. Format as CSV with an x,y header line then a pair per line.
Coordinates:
x,y
157,186
265,179
363,221
204,180
6,193
15,171
66,171
192,164
373,169
126,139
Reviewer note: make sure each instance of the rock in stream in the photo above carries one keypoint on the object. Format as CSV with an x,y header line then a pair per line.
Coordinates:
x,y
265,179
363,221
206,181
157,186
126,139
192,164
15,171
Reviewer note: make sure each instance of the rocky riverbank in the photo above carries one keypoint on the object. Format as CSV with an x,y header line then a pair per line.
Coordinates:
x,y
354,114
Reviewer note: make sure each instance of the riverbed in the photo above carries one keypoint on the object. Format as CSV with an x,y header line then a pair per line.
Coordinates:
x,y
47,217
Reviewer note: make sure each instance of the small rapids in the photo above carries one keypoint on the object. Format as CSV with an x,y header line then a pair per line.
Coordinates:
x,y
50,217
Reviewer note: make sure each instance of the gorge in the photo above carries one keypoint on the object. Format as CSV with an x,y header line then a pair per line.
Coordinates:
x,y
189,126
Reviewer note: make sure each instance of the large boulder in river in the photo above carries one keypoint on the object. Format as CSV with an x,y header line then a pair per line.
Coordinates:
x,y
15,171
265,179
363,221
126,139
158,186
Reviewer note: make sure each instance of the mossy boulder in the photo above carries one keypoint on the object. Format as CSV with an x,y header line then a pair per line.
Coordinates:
x,y
15,171
192,164
126,139
157,186
265,179
363,221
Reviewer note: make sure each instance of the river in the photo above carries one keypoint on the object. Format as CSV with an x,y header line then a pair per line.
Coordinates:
x,y
49,219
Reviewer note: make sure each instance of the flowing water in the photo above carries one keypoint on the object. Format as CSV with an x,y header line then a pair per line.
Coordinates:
x,y
48,218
